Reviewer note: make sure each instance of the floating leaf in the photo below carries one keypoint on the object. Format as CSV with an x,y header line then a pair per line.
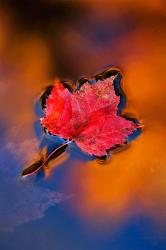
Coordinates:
x,y
90,115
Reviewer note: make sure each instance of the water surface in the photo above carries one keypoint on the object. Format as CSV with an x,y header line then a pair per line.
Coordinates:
x,y
78,204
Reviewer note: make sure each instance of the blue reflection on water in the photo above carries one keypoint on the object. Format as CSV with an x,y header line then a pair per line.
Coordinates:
x,y
60,230
23,205
21,200
38,217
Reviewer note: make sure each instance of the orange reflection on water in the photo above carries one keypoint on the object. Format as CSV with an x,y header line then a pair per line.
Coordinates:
x,y
134,177
27,73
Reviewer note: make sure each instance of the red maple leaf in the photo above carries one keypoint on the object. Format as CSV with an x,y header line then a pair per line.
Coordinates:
x,y
88,116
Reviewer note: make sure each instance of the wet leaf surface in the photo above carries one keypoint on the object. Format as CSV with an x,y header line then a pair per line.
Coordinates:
x,y
91,116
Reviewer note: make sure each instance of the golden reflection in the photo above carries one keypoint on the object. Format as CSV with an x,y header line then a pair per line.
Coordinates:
x,y
136,176
27,68
133,175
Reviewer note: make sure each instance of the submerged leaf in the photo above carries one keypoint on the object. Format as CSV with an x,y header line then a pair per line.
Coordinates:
x,y
32,168
36,166
57,152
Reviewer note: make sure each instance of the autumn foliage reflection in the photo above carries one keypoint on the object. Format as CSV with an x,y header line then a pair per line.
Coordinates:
x,y
133,37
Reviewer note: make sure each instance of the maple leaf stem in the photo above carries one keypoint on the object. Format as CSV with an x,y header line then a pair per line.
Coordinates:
x,y
46,160
56,149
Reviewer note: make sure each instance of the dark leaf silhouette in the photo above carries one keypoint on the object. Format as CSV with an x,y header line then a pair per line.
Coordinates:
x,y
33,168
38,165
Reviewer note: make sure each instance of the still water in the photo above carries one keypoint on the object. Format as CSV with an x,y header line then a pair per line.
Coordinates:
x,y
77,203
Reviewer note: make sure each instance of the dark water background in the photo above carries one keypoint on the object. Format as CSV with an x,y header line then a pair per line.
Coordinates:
x,y
77,203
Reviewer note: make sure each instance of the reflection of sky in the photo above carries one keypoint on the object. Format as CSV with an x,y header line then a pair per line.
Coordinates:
x,y
117,206
21,200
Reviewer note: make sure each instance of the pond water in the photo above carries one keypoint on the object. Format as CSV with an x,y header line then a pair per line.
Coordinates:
x,y
76,203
